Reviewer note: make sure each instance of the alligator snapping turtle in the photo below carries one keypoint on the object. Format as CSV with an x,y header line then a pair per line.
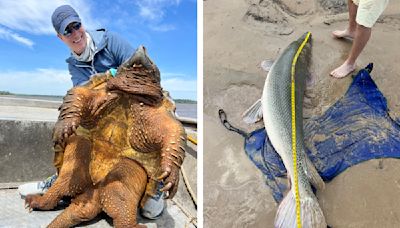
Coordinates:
x,y
130,141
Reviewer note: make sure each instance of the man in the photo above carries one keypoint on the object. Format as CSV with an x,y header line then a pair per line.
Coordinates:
x,y
362,16
91,52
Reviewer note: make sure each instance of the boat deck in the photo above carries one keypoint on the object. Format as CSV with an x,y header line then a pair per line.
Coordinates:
x,y
179,212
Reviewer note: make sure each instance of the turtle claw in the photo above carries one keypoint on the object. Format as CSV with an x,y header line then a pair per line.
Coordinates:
x,y
28,205
163,175
33,202
167,187
166,195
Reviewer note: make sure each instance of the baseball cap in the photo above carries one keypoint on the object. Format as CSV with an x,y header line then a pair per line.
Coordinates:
x,y
62,17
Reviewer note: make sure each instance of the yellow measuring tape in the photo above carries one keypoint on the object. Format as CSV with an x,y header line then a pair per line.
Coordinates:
x,y
293,99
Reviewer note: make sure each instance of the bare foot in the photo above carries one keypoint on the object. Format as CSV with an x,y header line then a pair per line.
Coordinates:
x,y
343,34
344,70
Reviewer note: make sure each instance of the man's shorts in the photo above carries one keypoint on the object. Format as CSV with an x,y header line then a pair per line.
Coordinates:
x,y
369,11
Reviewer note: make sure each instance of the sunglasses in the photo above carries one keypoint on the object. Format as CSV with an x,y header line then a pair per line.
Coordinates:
x,y
70,28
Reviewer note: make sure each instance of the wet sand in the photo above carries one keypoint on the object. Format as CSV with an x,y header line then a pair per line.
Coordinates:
x,y
238,35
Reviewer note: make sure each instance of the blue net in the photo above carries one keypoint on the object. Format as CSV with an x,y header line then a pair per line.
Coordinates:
x,y
356,128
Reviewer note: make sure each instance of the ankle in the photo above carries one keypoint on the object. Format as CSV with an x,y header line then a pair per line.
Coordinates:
x,y
351,30
349,62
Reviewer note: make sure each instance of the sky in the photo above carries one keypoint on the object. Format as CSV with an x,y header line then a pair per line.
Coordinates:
x,y
32,57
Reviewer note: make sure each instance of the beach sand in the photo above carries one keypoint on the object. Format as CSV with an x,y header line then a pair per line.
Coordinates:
x,y
238,35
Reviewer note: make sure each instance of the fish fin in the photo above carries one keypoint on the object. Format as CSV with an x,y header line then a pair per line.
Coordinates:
x,y
311,213
313,175
254,113
267,64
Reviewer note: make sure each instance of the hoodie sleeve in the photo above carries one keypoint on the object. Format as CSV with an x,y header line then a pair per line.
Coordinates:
x,y
120,48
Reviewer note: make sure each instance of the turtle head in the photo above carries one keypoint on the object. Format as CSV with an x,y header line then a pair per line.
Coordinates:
x,y
141,59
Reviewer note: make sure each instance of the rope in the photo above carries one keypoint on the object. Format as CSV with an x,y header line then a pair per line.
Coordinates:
x,y
188,187
192,219
190,190
227,125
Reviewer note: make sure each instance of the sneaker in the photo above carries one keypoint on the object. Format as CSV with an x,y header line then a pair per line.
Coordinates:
x,y
154,205
34,188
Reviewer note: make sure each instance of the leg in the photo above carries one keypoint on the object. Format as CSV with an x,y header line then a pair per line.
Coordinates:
x,y
83,208
73,176
351,28
121,192
360,40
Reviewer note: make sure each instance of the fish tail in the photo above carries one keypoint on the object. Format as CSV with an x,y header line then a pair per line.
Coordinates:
x,y
311,213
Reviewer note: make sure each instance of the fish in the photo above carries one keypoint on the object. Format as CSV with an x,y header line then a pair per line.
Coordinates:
x,y
275,108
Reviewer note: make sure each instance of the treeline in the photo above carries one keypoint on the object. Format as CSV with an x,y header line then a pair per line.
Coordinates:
x,y
5,93
182,101
185,101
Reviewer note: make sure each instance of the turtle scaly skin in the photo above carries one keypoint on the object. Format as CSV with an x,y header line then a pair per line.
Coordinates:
x,y
115,139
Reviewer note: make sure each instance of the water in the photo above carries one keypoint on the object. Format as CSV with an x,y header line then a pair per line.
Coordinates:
x,y
187,110
183,109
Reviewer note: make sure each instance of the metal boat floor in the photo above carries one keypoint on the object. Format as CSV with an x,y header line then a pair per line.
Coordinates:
x,y
13,213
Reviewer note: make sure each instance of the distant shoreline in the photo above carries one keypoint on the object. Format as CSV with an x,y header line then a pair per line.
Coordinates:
x,y
56,97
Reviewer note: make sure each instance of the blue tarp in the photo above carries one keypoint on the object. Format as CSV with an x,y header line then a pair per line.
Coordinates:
x,y
356,128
